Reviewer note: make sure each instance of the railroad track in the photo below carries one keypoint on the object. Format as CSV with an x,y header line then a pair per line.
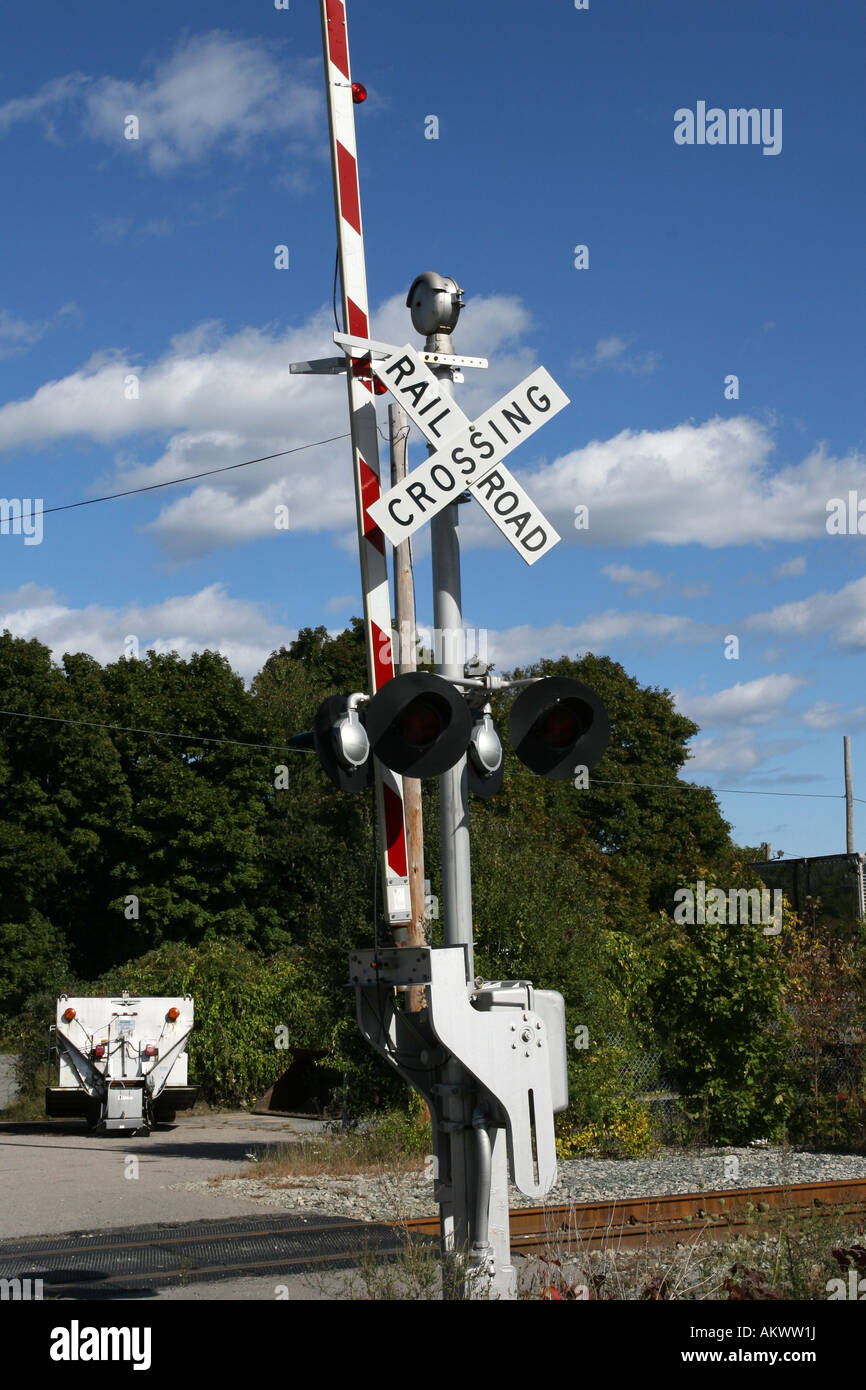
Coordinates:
x,y
107,1264
667,1220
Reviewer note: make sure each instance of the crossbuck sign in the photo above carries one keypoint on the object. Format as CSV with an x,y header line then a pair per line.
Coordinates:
x,y
467,454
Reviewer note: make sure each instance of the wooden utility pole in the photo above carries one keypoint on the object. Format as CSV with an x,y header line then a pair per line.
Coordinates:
x,y
849,799
404,607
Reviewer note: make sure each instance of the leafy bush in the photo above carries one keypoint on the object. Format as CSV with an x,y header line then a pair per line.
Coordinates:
x,y
626,1131
27,1037
720,991
826,975
246,1006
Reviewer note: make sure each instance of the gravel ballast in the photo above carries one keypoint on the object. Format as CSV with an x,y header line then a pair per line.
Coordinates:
x,y
389,1197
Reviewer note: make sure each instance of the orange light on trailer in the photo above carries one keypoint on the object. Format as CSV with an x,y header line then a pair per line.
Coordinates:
x,y
174,1014
69,1015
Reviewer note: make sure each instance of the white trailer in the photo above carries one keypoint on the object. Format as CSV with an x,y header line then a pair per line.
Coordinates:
x,y
122,1062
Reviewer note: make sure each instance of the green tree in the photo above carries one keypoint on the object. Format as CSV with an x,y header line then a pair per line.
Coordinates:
x,y
719,998
653,827
62,794
539,914
191,851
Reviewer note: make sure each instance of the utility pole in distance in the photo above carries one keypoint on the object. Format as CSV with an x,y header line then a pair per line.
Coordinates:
x,y
849,799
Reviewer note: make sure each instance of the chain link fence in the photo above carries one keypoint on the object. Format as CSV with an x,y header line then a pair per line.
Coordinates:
x,y
835,1073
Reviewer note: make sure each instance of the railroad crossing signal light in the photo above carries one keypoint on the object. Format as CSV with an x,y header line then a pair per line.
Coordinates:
x,y
418,724
341,742
557,725
485,763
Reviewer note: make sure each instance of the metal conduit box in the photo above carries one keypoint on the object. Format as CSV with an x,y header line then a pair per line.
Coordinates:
x,y
549,1005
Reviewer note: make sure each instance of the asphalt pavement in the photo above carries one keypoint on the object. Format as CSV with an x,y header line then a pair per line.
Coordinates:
x,y
56,1176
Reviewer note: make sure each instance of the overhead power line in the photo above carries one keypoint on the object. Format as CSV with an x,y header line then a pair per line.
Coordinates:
x,y
702,787
158,733
189,477
731,791
284,748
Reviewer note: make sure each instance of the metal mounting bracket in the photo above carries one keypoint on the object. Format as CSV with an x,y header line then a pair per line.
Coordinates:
x,y
507,1044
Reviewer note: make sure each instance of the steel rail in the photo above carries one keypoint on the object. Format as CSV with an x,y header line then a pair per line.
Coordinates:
x,y
661,1220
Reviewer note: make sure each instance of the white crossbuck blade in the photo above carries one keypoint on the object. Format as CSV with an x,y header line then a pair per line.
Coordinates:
x,y
469,455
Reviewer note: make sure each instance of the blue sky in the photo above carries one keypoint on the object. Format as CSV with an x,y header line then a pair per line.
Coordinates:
x,y
707,516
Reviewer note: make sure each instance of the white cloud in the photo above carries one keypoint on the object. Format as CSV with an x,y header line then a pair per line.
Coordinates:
x,y
340,602
242,631
639,581
214,92
790,568
221,399
19,335
741,751
185,624
519,646
840,616
612,352
748,702
45,105
218,399
121,228
709,484
733,752
829,714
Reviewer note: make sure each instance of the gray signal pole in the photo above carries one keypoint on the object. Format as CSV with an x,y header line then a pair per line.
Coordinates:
x,y
456,1171
453,784
472,1152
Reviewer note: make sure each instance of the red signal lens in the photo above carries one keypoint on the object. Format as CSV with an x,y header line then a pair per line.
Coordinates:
x,y
99,1050
420,723
150,1050
359,92
563,724
559,728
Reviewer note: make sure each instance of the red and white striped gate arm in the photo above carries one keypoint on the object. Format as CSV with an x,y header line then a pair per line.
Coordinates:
x,y
365,447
